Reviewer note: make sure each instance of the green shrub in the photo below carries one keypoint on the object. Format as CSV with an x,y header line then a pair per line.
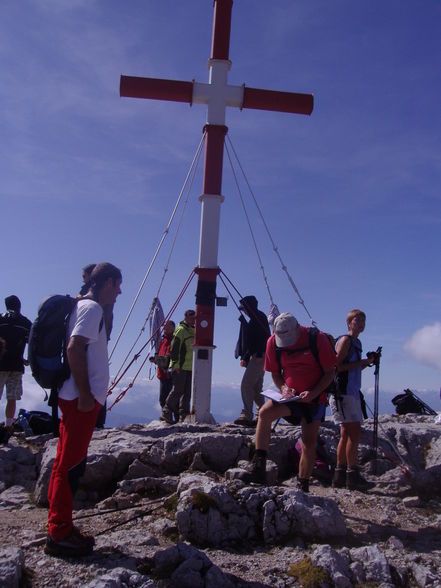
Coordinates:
x,y
203,501
308,575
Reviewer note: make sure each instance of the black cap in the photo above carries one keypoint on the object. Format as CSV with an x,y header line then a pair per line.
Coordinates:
x,y
13,303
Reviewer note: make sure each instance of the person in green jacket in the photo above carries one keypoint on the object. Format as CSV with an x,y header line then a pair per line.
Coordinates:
x,y
181,364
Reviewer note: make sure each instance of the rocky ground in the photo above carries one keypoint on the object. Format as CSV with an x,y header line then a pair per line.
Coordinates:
x,y
396,526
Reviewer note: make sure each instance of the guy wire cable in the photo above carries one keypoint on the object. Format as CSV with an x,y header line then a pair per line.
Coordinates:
x,y
194,167
265,279
275,248
136,356
164,235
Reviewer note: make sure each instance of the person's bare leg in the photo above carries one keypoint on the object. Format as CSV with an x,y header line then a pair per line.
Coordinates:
x,y
309,442
268,413
353,432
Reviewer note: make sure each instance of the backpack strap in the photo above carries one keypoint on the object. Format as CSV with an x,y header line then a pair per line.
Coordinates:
x,y
351,346
313,334
312,346
280,350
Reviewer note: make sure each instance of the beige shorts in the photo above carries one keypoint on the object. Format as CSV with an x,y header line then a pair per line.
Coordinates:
x,y
348,410
13,383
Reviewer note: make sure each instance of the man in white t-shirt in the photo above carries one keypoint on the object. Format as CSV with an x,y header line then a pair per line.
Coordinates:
x,y
80,398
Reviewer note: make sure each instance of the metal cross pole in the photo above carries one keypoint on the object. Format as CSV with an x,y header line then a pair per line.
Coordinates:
x,y
217,94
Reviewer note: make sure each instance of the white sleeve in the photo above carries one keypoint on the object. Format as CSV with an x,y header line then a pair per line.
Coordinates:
x,y
89,316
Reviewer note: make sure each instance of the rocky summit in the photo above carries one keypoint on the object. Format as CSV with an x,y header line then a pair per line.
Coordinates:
x,y
168,508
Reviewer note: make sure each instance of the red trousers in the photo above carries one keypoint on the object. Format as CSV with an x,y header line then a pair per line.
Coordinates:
x,y
76,429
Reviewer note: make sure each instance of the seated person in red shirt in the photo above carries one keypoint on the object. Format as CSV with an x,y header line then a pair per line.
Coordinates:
x,y
297,374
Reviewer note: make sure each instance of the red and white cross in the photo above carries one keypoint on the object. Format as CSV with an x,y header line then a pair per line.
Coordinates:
x,y
217,94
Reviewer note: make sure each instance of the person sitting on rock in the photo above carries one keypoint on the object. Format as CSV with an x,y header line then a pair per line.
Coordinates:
x,y
298,375
346,404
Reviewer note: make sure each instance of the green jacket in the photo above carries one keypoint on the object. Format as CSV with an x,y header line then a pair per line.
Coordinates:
x,y
181,348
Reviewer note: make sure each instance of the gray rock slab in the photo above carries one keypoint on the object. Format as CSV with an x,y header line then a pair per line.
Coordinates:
x,y
14,496
335,563
121,578
375,565
11,567
212,514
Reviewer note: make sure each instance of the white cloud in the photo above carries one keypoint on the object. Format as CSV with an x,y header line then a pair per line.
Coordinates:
x,y
425,345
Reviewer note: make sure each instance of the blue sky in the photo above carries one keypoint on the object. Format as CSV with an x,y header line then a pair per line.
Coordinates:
x,y
351,194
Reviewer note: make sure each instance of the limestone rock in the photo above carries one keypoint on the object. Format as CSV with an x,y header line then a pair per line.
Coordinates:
x,y
375,565
14,496
297,513
187,567
213,514
11,566
120,578
335,563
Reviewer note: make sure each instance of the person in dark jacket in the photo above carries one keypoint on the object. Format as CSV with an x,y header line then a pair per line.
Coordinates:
x,y
250,347
14,330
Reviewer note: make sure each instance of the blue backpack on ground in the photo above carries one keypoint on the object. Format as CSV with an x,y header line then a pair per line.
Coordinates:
x,y
47,341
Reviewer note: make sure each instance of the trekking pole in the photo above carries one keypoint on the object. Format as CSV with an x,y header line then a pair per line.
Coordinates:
x,y
376,397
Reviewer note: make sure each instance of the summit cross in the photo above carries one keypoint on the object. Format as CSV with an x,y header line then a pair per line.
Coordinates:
x,y
217,94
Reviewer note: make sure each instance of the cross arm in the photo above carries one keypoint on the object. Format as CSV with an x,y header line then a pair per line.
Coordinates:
x,y
156,89
278,101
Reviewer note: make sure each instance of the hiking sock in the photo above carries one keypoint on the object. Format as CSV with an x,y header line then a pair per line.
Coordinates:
x,y
258,466
356,482
260,453
303,484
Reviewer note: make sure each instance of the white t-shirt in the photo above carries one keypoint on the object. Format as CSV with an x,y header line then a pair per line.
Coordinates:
x,y
85,321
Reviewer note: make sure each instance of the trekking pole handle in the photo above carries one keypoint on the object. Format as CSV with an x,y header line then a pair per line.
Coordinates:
x,y
375,357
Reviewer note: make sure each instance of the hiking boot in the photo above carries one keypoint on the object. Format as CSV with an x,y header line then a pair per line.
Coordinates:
x,y
354,481
166,416
74,545
255,471
258,469
339,479
243,421
303,484
83,536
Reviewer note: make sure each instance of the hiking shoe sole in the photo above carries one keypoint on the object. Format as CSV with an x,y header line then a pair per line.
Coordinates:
x,y
72,546
245,422
88,539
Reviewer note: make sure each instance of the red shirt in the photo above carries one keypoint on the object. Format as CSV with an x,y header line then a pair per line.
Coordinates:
x,y
164,349
301,371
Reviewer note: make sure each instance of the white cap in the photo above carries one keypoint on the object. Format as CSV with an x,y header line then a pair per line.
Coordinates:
x,y
285,329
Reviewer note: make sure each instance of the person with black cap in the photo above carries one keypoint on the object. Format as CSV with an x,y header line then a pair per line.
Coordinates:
x,y
181,365
250,347
80,399
14,330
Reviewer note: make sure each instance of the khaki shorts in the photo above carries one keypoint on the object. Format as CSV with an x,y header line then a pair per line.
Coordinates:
x,y
13,383
348,410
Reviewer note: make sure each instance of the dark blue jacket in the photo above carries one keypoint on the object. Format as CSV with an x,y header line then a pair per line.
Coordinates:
x,y
254,333
14,329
